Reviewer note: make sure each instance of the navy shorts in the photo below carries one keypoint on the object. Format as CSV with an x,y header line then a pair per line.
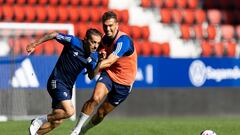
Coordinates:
x,y
59,92
117,92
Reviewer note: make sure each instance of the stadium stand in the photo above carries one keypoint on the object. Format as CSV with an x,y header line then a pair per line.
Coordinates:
x,y
213,25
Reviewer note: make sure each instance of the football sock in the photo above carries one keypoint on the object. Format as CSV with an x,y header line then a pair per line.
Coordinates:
x,y
82,119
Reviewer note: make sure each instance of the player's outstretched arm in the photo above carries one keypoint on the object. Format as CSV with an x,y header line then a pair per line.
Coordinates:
x,y
31,47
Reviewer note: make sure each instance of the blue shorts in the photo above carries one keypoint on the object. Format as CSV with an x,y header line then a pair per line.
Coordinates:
x,y
59,92
117,92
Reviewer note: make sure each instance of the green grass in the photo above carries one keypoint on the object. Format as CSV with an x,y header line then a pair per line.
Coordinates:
x,y
140,126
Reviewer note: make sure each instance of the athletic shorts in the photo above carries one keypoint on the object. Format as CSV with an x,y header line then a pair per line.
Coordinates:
x,y
59,92
117,92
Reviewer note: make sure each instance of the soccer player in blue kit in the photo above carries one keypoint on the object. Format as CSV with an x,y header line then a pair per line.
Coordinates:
x,y
77,54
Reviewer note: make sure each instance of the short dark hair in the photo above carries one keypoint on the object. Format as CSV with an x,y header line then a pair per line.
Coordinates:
x,y
93,31
108,15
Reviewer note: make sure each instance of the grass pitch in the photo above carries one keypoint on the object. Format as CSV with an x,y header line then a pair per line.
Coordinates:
x,y
140,126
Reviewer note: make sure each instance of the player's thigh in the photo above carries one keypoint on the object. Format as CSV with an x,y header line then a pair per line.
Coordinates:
x,y
100,91
68,107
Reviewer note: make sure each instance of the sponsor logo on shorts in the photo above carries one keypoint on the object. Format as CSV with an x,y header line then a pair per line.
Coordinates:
x,y
65,94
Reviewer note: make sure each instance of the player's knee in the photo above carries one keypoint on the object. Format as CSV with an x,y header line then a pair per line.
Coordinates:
x,y
96,99
69,113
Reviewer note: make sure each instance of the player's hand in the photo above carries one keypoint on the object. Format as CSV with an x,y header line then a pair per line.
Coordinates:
x,y
102,55
30,48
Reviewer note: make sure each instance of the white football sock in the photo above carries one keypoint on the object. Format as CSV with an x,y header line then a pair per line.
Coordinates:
x,y
43,119
37,123
82,119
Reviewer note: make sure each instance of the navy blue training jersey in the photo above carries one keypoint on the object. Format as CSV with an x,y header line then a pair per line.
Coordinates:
x,y
71,61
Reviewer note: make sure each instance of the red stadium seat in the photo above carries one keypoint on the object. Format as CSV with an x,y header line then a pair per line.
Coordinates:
x,y
188,16
145,32
84,16
49,48
41,13
219,49
8,13
64,2
214,16
43,2
200,16
169,3
19,2
102,10
185,30
146,3
227,32
136,32
211,31
165,15
231,48
138,47
75,2
52,13
10,2
157,3
53,2
193,4
95,15
19,13
85,2
146,48
30,16
74,14
62,13
31,2
104,3
82,27
156,49
207,48
95,2
125,28
198,31
181,3
124,16
165,49
177,16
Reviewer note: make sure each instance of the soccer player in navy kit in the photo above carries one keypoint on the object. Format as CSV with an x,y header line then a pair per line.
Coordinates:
x,y
77,54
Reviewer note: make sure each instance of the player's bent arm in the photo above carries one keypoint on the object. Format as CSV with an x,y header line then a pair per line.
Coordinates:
x,y
93,73
31,47
112,58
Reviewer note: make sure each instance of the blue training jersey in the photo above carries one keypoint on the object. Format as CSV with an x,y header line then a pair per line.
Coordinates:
x,y
71,61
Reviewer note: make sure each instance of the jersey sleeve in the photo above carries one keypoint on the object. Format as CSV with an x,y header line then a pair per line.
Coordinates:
x,y
122,46
66,39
